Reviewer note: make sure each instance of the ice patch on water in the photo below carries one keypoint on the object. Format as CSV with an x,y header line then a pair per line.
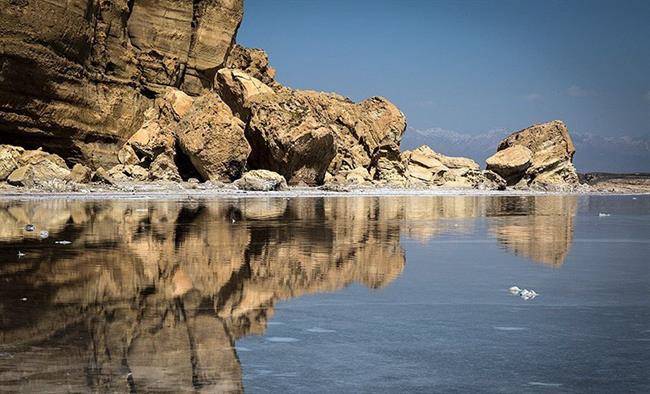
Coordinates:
x,y
242,349
544,384
319,330
282,339
507,328
603,214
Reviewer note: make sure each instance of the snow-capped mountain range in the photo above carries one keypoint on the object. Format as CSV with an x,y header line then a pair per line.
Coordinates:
x,y
593,152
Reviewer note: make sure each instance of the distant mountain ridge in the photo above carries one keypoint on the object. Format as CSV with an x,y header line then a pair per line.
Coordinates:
x,y
593,152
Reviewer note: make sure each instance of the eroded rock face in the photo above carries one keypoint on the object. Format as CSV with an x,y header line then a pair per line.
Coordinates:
x,y
510,163
254,62
213,138
80,173
427,168
77,76
9,160
302,134
552,155
237,88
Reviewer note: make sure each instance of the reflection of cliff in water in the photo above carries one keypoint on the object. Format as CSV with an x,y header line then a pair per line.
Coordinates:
x,y
152,295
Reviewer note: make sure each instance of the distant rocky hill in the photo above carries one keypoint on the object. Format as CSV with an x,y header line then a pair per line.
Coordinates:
x,y
593,152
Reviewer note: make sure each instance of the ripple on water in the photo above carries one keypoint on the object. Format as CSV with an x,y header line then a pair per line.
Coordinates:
x,y
510,328
544,384
282,339
319,330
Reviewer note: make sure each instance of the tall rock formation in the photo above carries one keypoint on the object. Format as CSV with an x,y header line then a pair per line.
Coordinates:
x,y
77,76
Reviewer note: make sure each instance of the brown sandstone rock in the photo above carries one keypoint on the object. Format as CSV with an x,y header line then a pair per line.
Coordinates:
x,y
77,76
552,155
153,138
123,172
253,61
179,101
261,180
213,138
278,122
236,88
37,173
9,160
511,162
102,176
80,174
127,155
163,168
427,168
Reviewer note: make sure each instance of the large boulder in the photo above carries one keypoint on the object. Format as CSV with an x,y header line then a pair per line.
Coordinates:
x,y
237,88
510,163
261,180
552,155
77,76
213,139
36,167
303,134
286,137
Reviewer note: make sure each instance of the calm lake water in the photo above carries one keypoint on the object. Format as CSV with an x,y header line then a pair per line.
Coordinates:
x,y
335,294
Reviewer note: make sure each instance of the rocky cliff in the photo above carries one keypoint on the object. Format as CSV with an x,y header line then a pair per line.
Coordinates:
x,y
145,90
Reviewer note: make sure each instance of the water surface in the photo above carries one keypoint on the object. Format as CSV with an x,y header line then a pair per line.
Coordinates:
x,y
326,294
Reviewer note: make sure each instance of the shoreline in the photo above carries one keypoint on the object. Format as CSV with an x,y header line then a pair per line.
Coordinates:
x,y
168,194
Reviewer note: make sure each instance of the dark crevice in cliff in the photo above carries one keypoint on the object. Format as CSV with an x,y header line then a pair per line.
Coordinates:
x,y
185,167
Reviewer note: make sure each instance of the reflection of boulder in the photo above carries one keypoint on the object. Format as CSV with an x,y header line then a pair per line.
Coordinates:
x,y
544,235
152,296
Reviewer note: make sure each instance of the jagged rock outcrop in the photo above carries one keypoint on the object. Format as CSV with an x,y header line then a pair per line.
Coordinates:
x,y
9,160
36,167
552,155
254,62
426,168
213,138
302,134
510,163
237,88
77,76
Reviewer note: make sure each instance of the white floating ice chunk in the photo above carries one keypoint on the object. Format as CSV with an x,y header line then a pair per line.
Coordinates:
x,y
514,290
528,294
603,214
63,242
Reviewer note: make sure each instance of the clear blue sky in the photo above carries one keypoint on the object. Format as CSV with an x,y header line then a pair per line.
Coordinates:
x,y
468,66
